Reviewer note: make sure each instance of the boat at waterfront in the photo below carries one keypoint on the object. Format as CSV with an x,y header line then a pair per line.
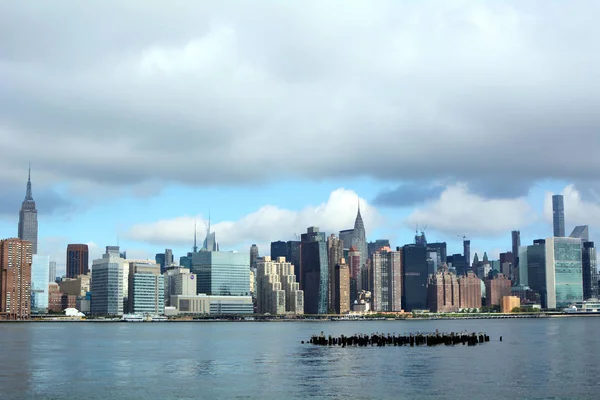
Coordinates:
x,y
132,318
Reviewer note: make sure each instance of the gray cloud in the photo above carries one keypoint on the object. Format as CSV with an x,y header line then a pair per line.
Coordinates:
x,y
48,201
212,93
407,194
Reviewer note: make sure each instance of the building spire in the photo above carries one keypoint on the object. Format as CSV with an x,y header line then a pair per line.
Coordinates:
x,y
195,248
28,195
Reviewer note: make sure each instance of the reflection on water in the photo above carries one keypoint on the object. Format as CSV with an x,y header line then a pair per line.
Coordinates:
x,y
537,359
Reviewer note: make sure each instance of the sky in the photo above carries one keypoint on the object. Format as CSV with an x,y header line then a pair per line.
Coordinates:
x,y
140,118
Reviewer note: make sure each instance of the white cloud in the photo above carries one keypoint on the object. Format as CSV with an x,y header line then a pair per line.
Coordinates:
x,y
459,212
577,210
267,224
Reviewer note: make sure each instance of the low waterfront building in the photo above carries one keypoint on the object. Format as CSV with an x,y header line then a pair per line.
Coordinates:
x,y
509,303
212,305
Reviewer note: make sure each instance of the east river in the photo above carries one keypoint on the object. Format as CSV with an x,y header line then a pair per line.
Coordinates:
x,y
537,359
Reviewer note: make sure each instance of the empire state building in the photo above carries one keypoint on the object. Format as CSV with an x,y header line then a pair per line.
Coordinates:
x,y
28,224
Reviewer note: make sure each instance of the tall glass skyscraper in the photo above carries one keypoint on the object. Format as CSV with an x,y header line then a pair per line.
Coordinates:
x,y
558,215
314,275
40,271
564,275
107,283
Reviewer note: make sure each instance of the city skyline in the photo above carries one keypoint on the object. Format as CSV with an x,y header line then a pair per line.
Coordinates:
x,y
193,109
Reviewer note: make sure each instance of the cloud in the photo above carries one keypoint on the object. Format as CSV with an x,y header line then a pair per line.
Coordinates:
x,y
267,224
214,94
460,212
407,194
578,211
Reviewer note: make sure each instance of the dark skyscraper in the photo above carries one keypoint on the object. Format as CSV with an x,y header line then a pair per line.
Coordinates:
x,y
558,215
77,260
314,271
516,243
414,277
28,223
590,273
254,256
536,269
440,249
467,251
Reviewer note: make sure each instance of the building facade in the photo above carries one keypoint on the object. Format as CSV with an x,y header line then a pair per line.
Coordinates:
x,y
443,291
40,267
28,223
495,289
335,252
589,271
314,271
15,278
221,273
277,291
179,281
414,277
146,289
558,215
469,291
77,260
107,283
342,288
52,271
564,272
387,280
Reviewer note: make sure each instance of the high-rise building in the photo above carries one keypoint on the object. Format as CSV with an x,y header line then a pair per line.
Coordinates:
x,y
77,260
558,215
15,278
523,275
496,288
516,243
168,258
458,263
40,266
341,278
28,223
581,232
277,291
564,275
210,242
387,280
467,252
506,264
356,237
442,291
372,247
354,264
52,272
335,252
107,283
222,273
179,281
253,256
146,289
441,251
314,272
414,277
160,261
590,271
536,269
469,291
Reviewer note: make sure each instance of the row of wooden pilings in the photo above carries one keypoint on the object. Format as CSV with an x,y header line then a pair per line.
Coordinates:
x,y
419,339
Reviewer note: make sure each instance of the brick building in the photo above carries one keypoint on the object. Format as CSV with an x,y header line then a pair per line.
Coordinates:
x,y
442,291
469,289
15,278
496,289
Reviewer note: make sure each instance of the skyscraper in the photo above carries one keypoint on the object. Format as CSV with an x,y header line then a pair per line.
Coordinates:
x,y
277,291
581,232
558,215
40,266
15,278
467,251
590,271
52,272
516,243
387,280
341,277
564,276
77,260
335,252
414,277
28,223
443,292
253,256
314,273
222,273
146,289
107,283
210,242
168,257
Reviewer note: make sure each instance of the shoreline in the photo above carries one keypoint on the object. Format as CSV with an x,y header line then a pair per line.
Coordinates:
x,y
309,320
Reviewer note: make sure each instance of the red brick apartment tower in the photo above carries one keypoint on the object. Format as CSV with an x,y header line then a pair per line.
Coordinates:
x,y
15,279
